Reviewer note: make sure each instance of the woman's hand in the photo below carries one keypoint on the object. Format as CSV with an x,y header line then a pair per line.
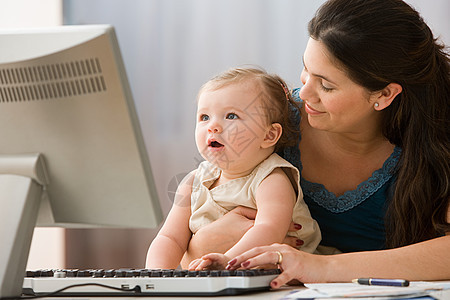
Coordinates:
x,y
295,265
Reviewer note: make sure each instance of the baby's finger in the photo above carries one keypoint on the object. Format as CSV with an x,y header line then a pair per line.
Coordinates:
x,y
193,265
212,256
203,264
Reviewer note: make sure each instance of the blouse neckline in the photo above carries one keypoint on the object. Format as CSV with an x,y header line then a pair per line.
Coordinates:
x,y
337,204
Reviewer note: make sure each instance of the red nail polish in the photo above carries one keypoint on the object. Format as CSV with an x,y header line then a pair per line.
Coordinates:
x,y
232,262
245,264
297,226
299,242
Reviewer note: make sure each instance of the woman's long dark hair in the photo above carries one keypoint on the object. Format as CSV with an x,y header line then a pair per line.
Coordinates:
x,y
378,42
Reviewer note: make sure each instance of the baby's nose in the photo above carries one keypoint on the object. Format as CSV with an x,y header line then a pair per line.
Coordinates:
x,y
215,128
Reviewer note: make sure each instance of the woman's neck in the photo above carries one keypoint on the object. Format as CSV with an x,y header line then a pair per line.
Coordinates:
x,y
358,143
326,154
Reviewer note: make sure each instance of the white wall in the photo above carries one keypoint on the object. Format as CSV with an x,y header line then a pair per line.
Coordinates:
x,y
47,249
30,13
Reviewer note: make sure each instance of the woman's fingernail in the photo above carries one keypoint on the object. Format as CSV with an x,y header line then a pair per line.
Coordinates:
x,y
232,262
245,264
297,226
274,284
299,242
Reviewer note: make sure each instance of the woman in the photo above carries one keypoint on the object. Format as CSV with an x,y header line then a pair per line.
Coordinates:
x,y
374,149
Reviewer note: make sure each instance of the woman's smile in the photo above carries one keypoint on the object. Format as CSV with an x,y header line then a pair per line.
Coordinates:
x,y
311,111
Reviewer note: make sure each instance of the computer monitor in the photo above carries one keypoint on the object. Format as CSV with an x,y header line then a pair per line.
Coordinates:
x,y
71,148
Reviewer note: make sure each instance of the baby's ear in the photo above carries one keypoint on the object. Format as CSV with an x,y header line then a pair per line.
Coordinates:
x,y
273,134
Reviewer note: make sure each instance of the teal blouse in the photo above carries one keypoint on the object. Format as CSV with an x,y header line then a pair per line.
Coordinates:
x,y
353,221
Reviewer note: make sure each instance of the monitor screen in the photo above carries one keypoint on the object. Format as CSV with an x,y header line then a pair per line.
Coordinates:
x,y
64,96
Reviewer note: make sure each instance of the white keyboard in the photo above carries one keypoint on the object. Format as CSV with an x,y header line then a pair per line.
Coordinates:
x,y
145,282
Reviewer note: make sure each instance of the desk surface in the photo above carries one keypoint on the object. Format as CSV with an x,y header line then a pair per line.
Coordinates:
x,y
268,295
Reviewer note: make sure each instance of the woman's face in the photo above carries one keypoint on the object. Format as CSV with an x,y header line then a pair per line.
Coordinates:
x,y
332,100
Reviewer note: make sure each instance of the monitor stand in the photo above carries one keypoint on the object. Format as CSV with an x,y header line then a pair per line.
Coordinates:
x,y
22,182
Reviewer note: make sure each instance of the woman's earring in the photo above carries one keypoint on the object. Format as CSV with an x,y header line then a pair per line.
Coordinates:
x,y
376,105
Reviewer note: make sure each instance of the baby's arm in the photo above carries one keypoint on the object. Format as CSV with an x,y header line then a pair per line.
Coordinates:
x,y
169,245
275,199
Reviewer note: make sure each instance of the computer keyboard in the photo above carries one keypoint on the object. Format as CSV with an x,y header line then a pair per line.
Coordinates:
x,y
146,282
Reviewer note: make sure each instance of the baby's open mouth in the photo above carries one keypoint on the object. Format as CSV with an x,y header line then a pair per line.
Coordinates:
x,y
215,144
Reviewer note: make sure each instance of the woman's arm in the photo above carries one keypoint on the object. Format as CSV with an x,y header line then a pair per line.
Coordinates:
x,y
427,260
168,247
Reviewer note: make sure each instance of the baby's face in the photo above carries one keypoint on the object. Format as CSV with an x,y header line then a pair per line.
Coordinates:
x,y
231,125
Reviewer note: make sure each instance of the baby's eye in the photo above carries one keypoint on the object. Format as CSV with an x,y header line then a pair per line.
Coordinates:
x,y
204,118
232,116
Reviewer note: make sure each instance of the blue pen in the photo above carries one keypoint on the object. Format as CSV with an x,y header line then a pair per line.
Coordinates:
x,y
384,282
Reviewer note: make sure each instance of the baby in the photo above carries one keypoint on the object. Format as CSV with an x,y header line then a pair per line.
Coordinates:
x,y
242,120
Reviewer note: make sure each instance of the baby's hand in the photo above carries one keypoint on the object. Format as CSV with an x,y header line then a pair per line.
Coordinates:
x,y
193,264
211,261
